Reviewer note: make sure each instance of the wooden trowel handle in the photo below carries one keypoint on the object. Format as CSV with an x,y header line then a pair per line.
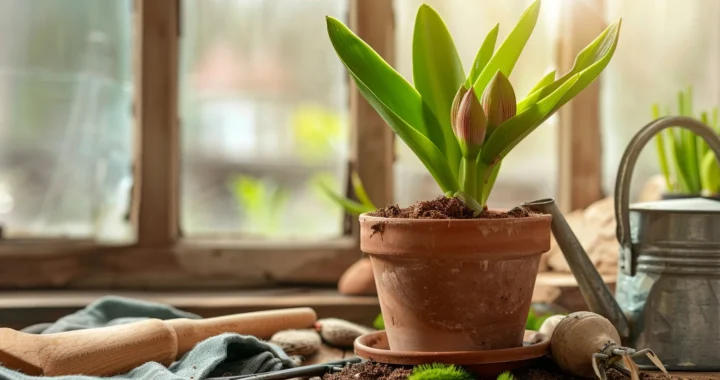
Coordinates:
x,y
261,324
104,351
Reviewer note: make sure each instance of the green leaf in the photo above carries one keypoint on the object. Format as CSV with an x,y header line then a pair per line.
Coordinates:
x,y
428,153
660,144
379,323
395,100
367,67
546,80
589,63
360,190
710,174
483,56
437,74
509,51
511,132
486,188
688,156
470,202
350,206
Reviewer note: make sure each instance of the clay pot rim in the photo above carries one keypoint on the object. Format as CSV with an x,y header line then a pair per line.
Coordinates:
x,y
366,217
365,347
484,239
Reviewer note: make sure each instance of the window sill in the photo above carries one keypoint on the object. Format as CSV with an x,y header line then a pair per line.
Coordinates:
x,y
24,308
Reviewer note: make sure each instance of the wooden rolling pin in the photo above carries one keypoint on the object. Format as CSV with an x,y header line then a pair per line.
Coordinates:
x,y
108,351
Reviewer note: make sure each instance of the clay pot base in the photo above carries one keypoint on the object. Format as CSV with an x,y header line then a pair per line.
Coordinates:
x,y
490,363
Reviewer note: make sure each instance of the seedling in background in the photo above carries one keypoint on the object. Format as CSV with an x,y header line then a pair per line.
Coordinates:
x,y
460,126
694,170
261,202
351,207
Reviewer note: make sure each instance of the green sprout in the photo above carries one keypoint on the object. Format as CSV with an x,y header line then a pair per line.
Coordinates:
x,y
352,207
506,376
438,371
694,170
460,126
261,202
379,323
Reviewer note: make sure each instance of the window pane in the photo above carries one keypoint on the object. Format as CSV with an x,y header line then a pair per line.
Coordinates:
x,y
530,170
264,104
65,119
665,47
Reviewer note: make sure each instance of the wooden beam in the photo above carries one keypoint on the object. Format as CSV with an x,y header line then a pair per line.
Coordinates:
x,y
155,194
373,142
580,172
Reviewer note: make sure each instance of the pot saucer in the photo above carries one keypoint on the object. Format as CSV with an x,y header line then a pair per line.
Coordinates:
x,y
374,347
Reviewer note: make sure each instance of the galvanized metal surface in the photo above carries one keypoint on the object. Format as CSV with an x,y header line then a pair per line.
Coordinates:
x,y
668,289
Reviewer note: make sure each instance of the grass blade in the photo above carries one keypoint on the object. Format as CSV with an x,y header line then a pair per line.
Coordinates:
x,y
703,147
710,171
660,144
483,56
509,51
589,63
437,74
360,190
688,153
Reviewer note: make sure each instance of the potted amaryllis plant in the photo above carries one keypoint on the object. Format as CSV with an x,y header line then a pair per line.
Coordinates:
x,y
452,274
695,171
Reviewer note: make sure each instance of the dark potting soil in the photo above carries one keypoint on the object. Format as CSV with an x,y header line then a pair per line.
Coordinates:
x,y
370,371
545,371
445,208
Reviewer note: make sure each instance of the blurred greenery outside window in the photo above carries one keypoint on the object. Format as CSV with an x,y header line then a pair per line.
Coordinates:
x,y
65,118
264,108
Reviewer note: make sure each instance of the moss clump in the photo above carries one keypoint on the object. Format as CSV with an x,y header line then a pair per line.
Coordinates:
x,y
438,371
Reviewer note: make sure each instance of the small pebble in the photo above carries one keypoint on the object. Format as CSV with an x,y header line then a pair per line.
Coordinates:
x,y
297,342
340,333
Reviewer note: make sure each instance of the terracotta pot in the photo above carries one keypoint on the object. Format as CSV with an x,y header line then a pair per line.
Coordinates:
x,y
455,285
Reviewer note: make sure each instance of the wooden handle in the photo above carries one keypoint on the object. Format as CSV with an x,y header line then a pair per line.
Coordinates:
x,y
103,351
261,324
108,351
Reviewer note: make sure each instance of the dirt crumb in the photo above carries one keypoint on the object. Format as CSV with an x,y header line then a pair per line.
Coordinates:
x,y
446,208
370,371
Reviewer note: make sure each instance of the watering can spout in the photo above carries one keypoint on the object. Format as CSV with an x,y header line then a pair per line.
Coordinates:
x,y
596,294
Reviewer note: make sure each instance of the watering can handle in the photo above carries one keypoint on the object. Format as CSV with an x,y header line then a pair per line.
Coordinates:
x,y
627,166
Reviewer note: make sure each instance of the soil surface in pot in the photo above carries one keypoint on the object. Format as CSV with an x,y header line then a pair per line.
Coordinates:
x,y
446,208
546,371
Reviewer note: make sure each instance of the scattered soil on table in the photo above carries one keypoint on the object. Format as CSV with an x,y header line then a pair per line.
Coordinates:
x,y
547,370
446,208
370,371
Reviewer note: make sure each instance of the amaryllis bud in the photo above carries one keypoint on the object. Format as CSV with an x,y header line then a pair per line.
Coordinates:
x,y
470,125
456,104
498,101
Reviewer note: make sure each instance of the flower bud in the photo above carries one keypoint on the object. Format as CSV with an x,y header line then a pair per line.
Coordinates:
x,y
498,101
470,124
456,104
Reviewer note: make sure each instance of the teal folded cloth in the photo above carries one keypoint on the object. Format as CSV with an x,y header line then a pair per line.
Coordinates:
x,y
221,355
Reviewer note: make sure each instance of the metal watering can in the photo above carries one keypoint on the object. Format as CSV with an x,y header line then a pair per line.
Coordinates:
x,y
668,287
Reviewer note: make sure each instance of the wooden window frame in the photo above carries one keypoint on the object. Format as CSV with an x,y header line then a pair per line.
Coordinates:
x,y
162,259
